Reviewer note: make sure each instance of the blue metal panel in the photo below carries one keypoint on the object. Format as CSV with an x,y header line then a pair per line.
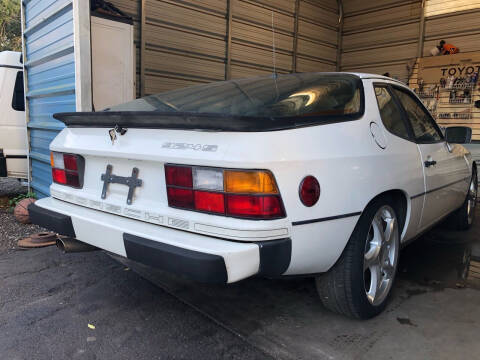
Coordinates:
x,y
50,68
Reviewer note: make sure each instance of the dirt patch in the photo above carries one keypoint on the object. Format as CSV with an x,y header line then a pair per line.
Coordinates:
x,y
11,230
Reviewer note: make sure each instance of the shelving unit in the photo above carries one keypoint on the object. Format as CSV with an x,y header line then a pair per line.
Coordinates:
x,y
447,111
449,86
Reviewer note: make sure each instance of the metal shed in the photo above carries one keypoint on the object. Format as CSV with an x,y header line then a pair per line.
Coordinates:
x,y
183,42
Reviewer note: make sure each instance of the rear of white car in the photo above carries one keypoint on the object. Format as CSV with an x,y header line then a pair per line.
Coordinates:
x,y
217,204
296,174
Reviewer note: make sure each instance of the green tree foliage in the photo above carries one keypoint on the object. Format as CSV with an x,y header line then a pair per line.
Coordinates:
x,y
10,25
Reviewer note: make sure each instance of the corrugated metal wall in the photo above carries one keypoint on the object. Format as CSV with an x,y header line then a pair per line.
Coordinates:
x,y
455,21
182,43
380,36
50,78
318,28
438,7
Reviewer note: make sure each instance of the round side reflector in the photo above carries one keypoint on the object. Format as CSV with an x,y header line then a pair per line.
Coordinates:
x,y
309,191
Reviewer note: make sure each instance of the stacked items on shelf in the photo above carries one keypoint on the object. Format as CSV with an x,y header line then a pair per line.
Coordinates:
x,y
451,99
428,94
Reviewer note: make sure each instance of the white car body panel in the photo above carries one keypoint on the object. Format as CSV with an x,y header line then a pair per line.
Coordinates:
x,y
350,166
451,167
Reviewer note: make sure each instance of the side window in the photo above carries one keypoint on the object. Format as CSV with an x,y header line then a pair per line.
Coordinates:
x,y
423,125
18,101
390,113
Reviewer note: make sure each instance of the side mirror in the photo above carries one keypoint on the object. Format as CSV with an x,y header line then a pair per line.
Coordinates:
x,y
458,134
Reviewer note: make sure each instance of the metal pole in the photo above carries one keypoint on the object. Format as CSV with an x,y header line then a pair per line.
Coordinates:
x,y
142,47
228,65
339,36
295,37
421,35
25,89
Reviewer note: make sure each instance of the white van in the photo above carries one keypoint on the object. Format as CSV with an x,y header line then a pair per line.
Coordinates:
x,y
13,129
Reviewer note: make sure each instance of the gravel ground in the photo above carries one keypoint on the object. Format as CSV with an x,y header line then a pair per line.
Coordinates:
x,y
11,230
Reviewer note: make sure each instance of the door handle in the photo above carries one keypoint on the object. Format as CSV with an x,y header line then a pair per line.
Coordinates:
x,y
429,163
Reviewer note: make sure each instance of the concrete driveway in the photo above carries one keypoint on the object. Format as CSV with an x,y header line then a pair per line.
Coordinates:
x,y
47,300
434,312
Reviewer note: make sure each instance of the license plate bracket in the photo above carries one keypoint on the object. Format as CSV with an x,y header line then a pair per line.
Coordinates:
x,y
131,181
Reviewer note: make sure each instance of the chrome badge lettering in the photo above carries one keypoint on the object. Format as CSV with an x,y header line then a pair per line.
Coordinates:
x,y
187,146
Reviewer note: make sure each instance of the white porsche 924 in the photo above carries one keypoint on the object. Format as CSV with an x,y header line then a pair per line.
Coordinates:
x,y
317,174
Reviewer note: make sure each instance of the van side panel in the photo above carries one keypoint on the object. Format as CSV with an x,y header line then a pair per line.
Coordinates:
x,y
13,130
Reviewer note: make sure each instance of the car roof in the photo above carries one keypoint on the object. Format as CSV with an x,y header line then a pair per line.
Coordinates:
x,y
10,58
376,77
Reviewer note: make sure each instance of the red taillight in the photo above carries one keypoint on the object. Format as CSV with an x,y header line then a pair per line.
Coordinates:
x,y
182,198
59,176
70,162
309,191
210,202
179,176
67,169
260,207
216,191
73,179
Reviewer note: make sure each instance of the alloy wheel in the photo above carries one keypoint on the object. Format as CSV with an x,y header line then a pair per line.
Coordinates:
x,y
472,199
381,255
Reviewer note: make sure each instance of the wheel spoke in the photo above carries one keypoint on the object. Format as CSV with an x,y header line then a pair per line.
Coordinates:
x,y
375,283
379,234
371,257
389,230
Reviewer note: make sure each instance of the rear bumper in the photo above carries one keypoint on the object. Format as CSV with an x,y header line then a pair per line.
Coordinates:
x,y
51,220
198,257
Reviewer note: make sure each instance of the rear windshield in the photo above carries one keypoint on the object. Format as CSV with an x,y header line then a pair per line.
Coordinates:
x,y
267,103
318,95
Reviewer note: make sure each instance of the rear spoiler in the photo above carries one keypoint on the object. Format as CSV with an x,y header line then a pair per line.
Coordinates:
x,y
193,121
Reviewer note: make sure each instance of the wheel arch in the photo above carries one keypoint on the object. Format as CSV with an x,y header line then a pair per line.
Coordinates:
x,y
401,205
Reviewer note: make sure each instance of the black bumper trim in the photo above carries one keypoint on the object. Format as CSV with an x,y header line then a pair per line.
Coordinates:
x,y
193,264
51,220
275,256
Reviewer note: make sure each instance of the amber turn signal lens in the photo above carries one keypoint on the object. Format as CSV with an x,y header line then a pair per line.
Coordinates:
x,y
249,182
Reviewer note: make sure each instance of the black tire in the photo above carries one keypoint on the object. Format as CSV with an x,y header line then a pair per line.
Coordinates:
x,y
342,288
460,220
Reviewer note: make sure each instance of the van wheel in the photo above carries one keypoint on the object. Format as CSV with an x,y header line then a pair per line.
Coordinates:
x,y
463,218
360,282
